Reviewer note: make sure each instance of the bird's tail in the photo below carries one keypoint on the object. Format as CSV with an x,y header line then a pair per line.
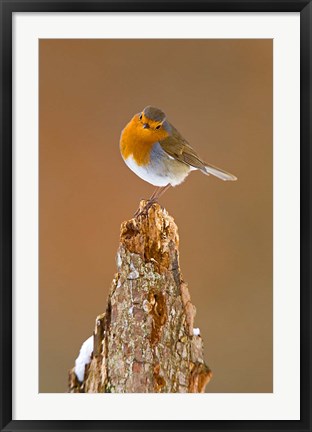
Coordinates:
x,y
218,172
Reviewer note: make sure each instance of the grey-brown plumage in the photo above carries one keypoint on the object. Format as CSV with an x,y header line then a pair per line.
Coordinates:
x,y
178,148
154,114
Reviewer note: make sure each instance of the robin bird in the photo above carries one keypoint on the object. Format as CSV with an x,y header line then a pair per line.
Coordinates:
x,y
156,152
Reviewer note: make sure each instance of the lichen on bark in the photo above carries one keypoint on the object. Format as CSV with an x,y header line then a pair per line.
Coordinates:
x,y
144,342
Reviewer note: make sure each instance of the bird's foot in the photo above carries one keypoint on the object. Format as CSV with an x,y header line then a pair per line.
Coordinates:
x,y
144,211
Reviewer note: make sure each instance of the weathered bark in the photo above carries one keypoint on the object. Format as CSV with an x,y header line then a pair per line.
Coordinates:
x,y
144,342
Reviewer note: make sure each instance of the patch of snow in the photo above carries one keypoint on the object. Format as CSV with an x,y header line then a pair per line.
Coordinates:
x,y
196,332
130,310
83,358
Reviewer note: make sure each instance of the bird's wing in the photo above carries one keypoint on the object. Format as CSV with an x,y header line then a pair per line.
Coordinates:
x,y
177,147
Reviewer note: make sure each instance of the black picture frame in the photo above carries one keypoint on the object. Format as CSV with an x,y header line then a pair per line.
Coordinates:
x,y
9,7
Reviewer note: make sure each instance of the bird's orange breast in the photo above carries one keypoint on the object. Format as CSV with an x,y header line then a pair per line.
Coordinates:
x,y
138,142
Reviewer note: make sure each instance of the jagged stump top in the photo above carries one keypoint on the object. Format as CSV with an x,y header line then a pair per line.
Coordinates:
x,y
153,237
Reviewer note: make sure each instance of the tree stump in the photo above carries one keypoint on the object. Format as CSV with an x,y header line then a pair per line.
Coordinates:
x,y
145,341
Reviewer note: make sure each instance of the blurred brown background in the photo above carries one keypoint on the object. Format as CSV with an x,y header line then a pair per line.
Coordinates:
x,y
218,93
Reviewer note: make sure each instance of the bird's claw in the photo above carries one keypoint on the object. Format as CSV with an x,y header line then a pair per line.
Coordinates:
x,y
144,211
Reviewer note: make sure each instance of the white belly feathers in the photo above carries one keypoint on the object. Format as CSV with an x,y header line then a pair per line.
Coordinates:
x,y
161,170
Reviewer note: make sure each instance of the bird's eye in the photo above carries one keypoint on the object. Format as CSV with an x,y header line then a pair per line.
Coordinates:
x,y
140,117
158,127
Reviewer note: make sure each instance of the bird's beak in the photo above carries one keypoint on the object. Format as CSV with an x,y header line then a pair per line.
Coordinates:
x,y
145,126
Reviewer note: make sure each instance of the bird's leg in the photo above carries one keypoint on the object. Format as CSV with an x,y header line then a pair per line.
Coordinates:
x,y
158,192
154,194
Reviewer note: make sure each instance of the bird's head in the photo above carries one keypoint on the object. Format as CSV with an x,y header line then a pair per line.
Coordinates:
x,y
152,124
